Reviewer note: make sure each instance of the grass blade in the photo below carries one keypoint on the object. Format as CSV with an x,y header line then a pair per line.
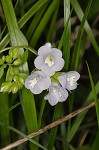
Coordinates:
x,y
76,51
87,28
75,59
67,34
23,20
81,116
94,95
44,22
4,132
29,109
22,135
53,132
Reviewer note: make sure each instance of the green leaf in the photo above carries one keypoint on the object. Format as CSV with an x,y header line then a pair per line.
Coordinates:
x,y
94,95
67,34
23,20
1,72
4,132
81,116
95,144
53,132
35,21
52,26
10,73
22,135
75,60
76,51
87,28
24,57
44,22
29,109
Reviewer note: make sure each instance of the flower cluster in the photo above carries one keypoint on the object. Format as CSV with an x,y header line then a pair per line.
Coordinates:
x,y
48,62
15,75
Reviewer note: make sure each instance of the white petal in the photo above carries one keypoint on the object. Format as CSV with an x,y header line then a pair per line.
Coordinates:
x,y
43,50
44,83
56,52
51,99
73,73
47,97
54,98
69,87
64,95
47,70
30,77
38,62
48,44
27,84
36,90
62,80
59,64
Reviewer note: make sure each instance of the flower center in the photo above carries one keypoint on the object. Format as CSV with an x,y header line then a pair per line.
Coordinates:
x,y
34,81
71,80
57,91
49,60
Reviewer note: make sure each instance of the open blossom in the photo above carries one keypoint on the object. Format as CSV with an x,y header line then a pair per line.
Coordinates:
x,y
49,59
69,80
37,82
56,94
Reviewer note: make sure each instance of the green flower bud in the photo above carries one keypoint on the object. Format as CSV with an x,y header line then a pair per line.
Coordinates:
x,y
20,85
1,61
3,58
16,71
11,70
4,66
21,80
14,88
15,78
16,53
17,62
23,75
8,59
11,52
6,86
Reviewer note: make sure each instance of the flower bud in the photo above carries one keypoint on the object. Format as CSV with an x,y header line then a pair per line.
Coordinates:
x,y
20,85
21,80
14,88
16,71
15,78
16,53
3,58
11,52
6,86
8,59
1,61
11,70
17,62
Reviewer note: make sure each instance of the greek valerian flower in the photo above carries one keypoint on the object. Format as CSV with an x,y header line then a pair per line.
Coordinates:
x,y
56,94
69,80
49,59
37,82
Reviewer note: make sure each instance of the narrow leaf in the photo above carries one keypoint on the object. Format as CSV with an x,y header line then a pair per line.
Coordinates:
x,y
94,95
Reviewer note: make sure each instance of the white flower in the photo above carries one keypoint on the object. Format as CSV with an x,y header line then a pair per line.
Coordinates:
x,y
37,82
69,80
56,94
49,59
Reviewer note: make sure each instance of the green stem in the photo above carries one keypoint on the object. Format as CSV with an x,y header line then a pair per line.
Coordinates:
x,y
21,46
